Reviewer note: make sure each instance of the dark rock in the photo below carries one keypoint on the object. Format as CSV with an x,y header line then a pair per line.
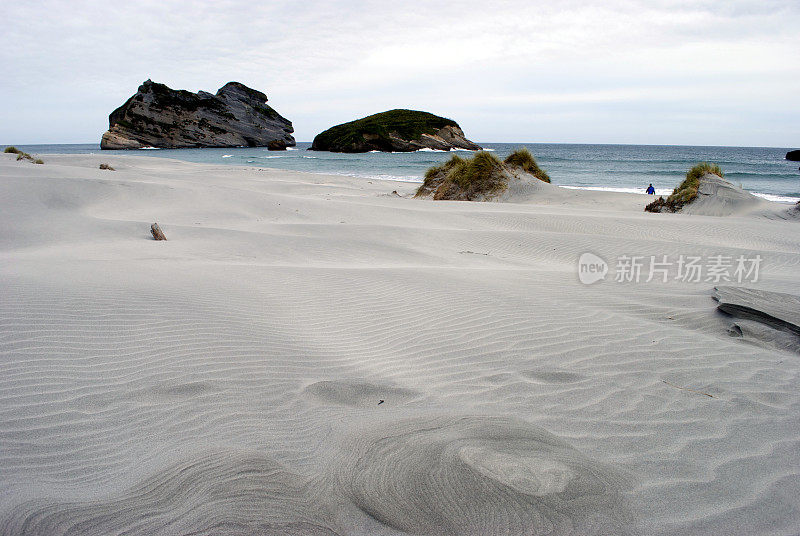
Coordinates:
x,y
394,131
157,116
276,145
156,232
793,155
659,205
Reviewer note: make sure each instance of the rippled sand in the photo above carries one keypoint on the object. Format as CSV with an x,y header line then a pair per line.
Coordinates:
x,y
313,355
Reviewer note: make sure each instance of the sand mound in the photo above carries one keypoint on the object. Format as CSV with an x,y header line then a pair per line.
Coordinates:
x,y
359,394
484,178
480,475
719,197
708,195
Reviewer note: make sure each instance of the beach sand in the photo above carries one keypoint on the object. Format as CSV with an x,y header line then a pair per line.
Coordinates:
x,y
313,354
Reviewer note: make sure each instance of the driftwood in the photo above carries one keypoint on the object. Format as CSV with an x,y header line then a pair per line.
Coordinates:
x,y
687,389
157,233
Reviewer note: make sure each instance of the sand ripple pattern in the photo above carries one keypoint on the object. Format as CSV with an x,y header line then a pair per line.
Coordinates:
x,y
480,475
234,494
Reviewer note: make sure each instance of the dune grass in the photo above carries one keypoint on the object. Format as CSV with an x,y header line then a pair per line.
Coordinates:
x,y
22,155
685,192
477,172
481,176
436,175
523,159
465,179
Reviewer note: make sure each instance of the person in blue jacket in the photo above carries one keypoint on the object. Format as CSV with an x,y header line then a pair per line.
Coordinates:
x,y
651,190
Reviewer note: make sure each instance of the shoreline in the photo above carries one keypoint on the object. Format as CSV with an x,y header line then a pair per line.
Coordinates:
x,y
585,168
776,199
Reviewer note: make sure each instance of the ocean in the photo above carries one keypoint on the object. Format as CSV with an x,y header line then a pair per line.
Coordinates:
x,y
625,168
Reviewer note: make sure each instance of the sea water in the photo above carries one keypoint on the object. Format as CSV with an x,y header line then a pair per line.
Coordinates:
x,y
626,168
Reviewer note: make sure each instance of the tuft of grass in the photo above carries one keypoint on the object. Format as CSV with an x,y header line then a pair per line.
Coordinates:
x,y
22,155
524,160
482,175
477,172
686,192
465,179
436,175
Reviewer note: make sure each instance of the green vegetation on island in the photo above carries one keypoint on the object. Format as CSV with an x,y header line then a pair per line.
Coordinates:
x,y
396,130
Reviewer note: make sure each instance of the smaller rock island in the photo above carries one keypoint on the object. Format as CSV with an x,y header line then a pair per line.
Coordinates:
x,y
793,155
158,116
394,131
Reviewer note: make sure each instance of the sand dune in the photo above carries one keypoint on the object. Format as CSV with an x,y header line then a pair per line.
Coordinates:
x,y
228,381
719,197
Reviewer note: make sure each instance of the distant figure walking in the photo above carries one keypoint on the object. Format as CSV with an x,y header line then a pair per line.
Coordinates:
x,y
651,190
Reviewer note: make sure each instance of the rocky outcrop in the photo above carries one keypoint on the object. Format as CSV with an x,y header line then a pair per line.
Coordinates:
x,y
793,155
276,145
394,131
158,116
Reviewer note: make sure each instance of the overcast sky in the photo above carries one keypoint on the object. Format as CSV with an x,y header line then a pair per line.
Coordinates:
x,y
613,71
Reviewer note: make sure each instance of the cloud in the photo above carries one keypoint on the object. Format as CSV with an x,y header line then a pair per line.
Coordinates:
x,y
68,64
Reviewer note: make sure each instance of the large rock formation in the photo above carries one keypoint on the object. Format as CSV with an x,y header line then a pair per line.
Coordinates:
x,y
394,131
793,155
157,116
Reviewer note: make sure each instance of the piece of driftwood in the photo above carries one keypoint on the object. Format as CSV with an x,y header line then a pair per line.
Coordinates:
x,y
687,389
157,233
